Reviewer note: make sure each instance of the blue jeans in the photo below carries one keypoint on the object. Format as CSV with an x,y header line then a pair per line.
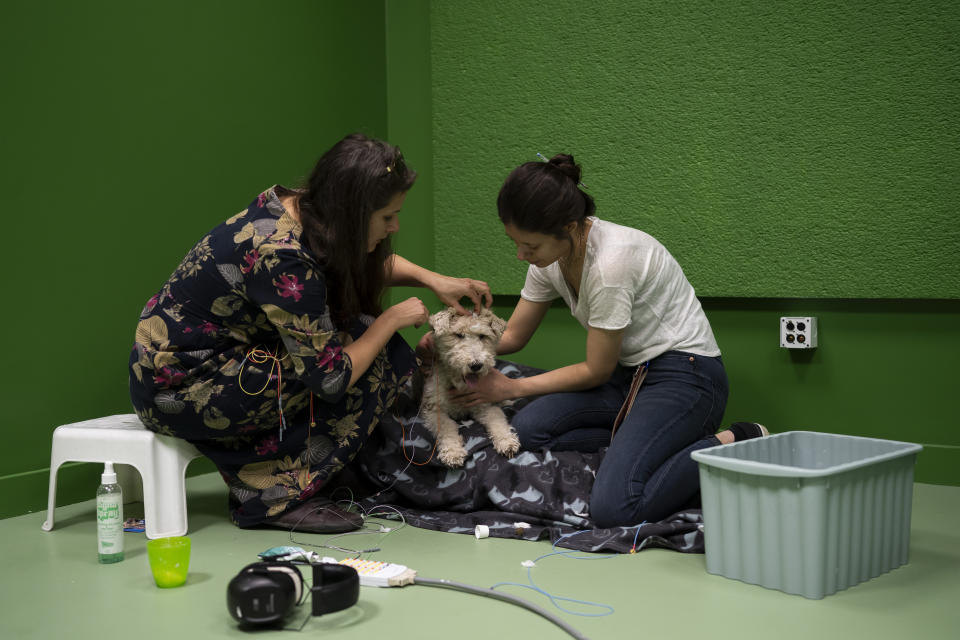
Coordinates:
x,y
647,473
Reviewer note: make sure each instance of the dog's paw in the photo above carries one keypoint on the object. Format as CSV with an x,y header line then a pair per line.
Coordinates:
x,y
507,445
452,456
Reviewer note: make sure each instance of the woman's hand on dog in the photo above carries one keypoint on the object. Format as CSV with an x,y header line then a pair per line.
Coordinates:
x,y
425,348
450,290
490,389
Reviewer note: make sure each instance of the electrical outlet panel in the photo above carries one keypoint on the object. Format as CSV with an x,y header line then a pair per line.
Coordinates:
x,y
798,332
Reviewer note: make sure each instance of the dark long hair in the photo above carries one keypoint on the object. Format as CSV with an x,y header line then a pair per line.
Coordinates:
x,y
545,197
357,176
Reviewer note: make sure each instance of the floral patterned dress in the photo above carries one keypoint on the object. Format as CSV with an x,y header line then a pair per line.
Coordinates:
x,y
238,354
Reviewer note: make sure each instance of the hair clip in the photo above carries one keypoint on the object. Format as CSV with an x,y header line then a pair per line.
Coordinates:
x,y
544,159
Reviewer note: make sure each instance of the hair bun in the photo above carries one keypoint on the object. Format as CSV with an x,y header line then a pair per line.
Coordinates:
x,y
565,163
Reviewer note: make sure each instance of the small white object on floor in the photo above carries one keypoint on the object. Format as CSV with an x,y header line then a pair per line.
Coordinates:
x,y
528,563
481,531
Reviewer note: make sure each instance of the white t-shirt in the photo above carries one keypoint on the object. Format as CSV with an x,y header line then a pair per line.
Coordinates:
x,y
631,282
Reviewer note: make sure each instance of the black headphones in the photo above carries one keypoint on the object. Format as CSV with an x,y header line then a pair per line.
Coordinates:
x,y
264,593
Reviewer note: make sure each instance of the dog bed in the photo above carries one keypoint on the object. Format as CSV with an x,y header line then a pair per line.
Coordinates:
x,y
534,496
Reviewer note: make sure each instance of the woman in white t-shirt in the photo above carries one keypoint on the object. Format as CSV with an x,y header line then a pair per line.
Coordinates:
x,y
644,325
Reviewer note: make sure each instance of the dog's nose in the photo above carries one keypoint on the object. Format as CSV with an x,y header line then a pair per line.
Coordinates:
x,y
476,366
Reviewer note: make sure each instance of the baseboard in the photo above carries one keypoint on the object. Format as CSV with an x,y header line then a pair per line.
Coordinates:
x,y
76,482
938,464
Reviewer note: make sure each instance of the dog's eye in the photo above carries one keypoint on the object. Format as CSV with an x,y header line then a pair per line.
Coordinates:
x,y
459,336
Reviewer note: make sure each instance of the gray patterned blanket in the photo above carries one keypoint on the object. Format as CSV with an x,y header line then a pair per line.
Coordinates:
x,y
534,496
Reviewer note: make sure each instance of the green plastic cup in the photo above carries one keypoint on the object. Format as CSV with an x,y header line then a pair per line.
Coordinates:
x,y
169,560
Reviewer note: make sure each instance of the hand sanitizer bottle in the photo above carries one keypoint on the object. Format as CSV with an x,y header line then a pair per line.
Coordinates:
x,y
109,517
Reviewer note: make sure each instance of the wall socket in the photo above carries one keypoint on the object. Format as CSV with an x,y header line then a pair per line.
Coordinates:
x,y
798,332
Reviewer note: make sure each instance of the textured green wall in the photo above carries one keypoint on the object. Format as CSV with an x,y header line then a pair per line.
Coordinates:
x,y
778,149
128,131
799,152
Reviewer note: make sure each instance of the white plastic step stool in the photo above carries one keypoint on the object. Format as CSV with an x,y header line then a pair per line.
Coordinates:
x,y
161,461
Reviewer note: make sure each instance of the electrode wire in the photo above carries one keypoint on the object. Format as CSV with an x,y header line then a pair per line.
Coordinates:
x,y
403,437
555,600
506,597
260,356
365,530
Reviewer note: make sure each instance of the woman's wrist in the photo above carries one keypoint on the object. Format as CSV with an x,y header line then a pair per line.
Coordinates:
x,y
515,388
431,280
387,321
404,273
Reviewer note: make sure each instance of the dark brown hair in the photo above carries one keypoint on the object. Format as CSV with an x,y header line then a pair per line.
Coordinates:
x,y
357,176
544,197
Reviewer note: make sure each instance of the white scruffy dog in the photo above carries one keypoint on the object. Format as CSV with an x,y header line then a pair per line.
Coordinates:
x,y
466,349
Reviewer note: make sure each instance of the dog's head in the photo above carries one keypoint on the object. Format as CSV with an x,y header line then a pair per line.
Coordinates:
x,y
466,345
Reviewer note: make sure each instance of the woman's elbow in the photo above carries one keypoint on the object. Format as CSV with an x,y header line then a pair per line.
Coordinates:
x,y
598,375
509,345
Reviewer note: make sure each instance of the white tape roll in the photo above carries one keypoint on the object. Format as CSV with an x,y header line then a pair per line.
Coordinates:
x,y
482,531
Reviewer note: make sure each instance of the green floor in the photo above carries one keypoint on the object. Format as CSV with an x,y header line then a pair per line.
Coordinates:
x,y
52,586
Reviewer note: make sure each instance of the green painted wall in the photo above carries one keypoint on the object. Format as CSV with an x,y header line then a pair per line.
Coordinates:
x,y
134,131
409,120
778,148
128,131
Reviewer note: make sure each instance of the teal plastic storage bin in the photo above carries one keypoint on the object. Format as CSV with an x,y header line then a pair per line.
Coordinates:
x,y
807,513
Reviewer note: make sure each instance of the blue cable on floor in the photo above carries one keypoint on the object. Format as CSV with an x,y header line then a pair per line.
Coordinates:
x,y
636,537
554,599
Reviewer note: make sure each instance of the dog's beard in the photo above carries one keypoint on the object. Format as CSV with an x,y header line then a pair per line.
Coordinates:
x,y
457,375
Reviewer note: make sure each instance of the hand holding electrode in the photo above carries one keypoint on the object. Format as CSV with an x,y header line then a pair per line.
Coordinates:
x,y
451,290
409,313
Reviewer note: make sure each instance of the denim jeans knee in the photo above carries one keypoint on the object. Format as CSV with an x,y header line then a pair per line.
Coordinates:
x,y
579,421
647,473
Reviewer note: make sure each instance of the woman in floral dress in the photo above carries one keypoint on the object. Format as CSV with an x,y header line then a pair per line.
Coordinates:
x,y
268,349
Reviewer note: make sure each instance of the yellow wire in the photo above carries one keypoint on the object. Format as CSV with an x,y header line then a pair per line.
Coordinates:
x,y
259,356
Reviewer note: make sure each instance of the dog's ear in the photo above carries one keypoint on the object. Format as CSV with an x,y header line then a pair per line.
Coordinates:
x,y
440,321
497,323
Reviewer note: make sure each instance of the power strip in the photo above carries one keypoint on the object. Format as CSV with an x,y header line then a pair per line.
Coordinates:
x,y
378,574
